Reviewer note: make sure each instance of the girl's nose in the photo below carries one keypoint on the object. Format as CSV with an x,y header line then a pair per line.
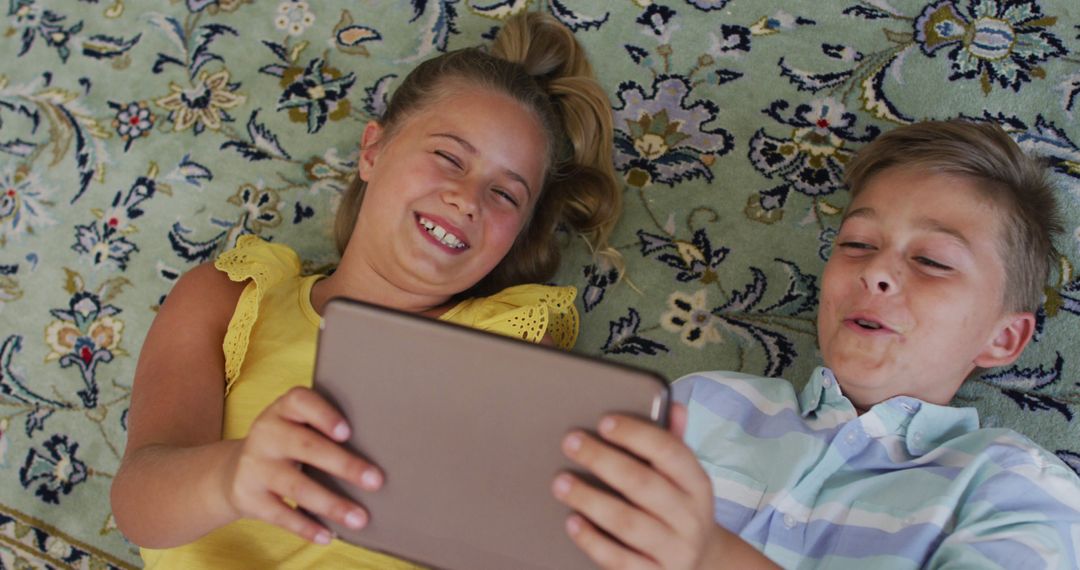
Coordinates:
x,y
464,197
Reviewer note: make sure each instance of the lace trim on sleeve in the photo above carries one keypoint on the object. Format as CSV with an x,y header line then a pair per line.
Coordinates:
x,y
542,310
264,265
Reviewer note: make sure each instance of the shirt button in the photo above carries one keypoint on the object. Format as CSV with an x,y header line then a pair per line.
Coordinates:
x,y
908,407
850,438
789,521
918,437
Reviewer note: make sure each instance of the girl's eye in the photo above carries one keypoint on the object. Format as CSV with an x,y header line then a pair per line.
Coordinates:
x,y
503,194
926,261
854,245
449,158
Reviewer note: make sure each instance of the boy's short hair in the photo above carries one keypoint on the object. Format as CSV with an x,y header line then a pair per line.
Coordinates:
x,y
1017,183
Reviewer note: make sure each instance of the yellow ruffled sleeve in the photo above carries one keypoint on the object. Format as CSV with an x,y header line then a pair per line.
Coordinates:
x,y
263,264
524,311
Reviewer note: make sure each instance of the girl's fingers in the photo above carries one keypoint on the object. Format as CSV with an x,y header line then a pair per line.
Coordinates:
x,y
303,445
272,510
633,527
297,427
316,499
641,484
305,406
602,550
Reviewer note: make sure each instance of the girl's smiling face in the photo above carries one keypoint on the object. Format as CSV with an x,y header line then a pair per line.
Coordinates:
x,y
449,190
913,296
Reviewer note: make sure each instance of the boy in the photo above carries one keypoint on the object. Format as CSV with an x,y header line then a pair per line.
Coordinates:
x,y
940,260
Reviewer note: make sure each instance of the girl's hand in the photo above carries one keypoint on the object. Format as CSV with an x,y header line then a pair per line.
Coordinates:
x,y
666,520
300,427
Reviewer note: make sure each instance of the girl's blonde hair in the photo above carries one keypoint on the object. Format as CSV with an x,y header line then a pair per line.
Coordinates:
x,y
536,61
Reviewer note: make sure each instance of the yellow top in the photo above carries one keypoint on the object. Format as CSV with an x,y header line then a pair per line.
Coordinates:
x,y
270,348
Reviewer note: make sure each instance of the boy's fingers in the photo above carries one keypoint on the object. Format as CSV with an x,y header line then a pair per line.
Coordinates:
x,y
633,527
643,485
663,450
315,498
678,416
606,553
305,406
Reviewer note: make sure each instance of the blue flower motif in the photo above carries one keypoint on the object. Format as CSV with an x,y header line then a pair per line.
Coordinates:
x,y
811,159
660,20
695,259
54,472
105,239
34,21
665,139
997,42
316,94
598,279
623,337
826,239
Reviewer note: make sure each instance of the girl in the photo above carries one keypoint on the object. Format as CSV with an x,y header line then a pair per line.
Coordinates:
x,y
477,160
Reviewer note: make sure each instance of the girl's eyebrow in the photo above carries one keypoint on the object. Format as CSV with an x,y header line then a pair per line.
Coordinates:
x,y
472,150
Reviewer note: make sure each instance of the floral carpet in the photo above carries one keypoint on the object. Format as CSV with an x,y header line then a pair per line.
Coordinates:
x,y
139,139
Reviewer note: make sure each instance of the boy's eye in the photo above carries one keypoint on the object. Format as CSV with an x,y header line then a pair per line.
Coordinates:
x,y
854,245
923,260
449,158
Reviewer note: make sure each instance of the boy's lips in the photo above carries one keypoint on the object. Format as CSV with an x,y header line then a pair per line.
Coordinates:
x,y
442,233
866,323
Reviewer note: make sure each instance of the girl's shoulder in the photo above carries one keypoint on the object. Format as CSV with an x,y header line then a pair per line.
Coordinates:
x,y
528,312
255,258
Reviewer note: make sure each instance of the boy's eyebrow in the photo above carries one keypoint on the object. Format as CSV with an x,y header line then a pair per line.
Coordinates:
x,y
864,212
928,224
472,150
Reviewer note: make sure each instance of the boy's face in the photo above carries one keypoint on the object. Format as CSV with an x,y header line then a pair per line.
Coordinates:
x,y
912,297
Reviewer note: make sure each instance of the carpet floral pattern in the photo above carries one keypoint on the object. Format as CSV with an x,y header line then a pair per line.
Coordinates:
x,y
139,139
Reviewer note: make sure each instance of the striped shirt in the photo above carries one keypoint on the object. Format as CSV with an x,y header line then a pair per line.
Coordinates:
x,y
908,484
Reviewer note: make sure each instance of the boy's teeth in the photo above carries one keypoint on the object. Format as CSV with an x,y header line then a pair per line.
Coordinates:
x,y
867,324
441,234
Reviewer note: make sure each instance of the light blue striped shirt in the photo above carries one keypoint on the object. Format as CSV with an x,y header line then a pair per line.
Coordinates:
x,y
908,484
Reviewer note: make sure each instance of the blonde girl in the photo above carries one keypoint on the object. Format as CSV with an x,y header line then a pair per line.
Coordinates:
x,y
461,185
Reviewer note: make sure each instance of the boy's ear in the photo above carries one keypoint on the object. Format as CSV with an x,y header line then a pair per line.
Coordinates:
x,y
369,149
1014,333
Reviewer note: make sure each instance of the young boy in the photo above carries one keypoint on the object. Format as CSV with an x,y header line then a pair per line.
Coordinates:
x,y
940,260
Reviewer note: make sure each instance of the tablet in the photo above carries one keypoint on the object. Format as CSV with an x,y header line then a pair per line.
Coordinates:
x,y
467,426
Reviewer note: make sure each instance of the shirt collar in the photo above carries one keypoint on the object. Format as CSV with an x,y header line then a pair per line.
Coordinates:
x,y
821,392
924,426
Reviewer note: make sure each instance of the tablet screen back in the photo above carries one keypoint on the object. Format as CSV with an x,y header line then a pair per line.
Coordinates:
x,y
467,427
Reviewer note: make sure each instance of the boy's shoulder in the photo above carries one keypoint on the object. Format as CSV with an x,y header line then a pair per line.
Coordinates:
x,y
1012,451
704,387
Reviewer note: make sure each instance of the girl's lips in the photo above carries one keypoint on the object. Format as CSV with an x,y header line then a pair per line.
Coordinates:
x,y
450,230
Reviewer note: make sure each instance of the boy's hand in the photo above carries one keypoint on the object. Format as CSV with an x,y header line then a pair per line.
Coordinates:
x,y
300,427
667,518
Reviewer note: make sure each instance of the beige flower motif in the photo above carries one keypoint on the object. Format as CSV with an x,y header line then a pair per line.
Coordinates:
x,y
690,318
203,105
294,17
63,337
260,206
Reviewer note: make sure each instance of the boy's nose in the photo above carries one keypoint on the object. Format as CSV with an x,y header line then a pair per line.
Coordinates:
x,y
880,279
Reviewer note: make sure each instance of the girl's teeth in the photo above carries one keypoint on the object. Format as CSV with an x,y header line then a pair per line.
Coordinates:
x,y
441,234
